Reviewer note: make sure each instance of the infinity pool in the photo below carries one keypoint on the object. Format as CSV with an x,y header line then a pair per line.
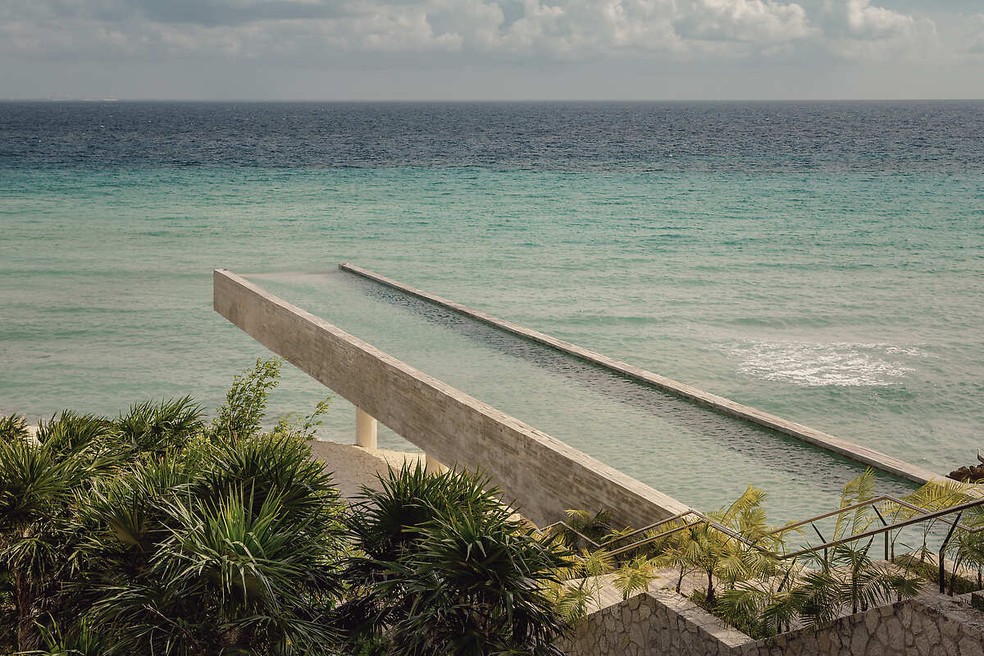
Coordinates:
x,y
700,457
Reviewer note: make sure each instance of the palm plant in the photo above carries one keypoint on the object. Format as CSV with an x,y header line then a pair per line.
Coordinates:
x,y
721,557
931,497
634,576
582,528
446,568
969,546
231,578
266,464
763,606
152,429
224,541
80,640
667,548
850,578
39,483
153,533
845,576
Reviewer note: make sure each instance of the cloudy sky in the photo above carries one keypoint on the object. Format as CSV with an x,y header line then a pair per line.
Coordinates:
x,y
491,49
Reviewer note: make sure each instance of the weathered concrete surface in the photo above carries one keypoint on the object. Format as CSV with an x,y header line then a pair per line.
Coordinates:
x,y
849,450
541,474
365,430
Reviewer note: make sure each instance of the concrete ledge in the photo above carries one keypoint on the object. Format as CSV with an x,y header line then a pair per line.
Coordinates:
x,y
541,474
855,452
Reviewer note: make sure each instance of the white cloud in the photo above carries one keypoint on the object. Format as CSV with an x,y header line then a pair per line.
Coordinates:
x,y
973,38
856,29
312,32
863,20
754,21
566,29
573,29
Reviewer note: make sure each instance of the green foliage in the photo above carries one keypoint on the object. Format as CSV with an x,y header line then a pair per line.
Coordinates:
x,y
748,586
634,576
850,578
156,533
856,491
272,463
39,484
162,535
931,497
721,557
79,641
446,568
242,414
582,528
13,427
762,607
230,537
153,429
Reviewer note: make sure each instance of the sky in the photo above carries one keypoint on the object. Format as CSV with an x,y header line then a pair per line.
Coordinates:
x,y
491,49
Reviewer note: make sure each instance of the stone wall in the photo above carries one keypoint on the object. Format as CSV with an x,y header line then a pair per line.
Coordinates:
x,y
656,622
539,473
663,623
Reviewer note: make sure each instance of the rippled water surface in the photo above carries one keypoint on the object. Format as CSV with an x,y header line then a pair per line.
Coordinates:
x,y
824,262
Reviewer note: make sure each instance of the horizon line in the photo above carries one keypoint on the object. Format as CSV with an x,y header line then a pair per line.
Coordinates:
x,y
111,99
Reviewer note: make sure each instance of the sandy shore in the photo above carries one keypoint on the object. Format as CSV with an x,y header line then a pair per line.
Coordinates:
x,y
354,467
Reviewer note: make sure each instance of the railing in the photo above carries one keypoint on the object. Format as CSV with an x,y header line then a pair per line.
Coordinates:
x,y
692,518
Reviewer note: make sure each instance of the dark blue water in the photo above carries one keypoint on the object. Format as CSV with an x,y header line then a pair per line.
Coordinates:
x,y
892,137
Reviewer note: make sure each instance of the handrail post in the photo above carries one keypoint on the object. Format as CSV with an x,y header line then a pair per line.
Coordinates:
x,y
884,523
946,541
822,540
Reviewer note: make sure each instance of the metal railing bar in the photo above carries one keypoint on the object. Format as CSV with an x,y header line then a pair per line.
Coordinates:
x,y
946,540
923,516
908,522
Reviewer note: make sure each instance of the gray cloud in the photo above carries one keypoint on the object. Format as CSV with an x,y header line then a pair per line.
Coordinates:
x,y
443,34
974,41
214,13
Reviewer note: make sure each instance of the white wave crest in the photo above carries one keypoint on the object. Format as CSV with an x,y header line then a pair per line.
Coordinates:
x,y
812,364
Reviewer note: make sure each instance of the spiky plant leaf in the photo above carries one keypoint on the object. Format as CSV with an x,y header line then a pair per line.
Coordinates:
x,y
634,576
156,427
13,427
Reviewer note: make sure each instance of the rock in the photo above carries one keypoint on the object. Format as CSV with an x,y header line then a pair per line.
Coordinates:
x,y
972,474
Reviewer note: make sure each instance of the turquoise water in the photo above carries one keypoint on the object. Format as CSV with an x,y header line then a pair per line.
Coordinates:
x,y
660,439
849,302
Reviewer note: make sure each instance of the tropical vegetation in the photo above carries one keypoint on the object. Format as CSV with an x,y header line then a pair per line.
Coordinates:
x,y
159,532
734,560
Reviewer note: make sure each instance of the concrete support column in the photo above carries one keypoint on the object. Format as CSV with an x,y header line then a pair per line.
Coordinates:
x,y
365,430
432,465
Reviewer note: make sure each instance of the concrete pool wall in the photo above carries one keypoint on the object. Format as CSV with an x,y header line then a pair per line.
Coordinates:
x,y
855,452
540,474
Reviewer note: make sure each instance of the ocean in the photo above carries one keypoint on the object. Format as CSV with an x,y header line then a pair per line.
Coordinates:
x,y
820,261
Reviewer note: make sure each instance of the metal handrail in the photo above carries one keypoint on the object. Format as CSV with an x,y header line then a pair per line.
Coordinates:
x,y
855,506
923,515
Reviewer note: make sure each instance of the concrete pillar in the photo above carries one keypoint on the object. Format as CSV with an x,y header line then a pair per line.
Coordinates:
x,y
365,430
432,465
